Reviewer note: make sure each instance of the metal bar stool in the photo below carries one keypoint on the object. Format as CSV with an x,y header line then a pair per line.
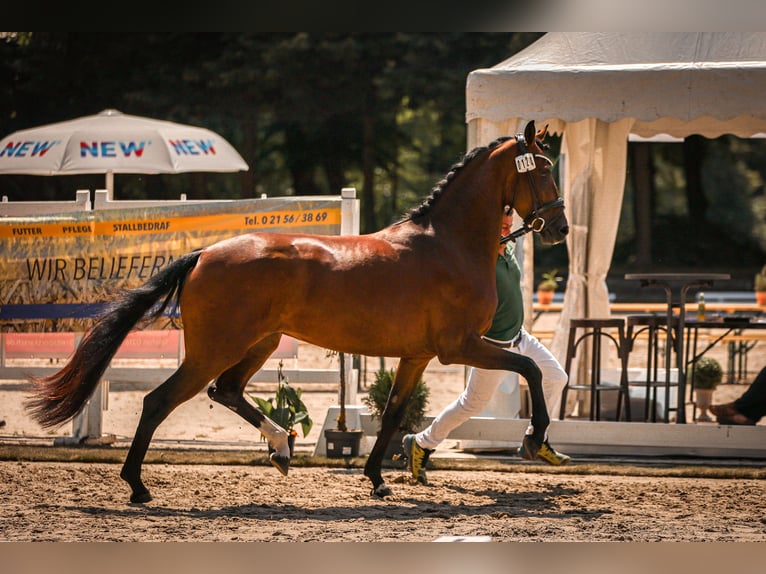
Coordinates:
x,y
652,325
596,330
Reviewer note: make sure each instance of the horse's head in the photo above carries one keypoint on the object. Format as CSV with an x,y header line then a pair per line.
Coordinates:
x,y
532,192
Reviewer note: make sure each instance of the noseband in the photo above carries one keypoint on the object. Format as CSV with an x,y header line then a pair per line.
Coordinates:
x,y
525,163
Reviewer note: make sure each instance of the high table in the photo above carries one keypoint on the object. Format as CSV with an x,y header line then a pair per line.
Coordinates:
x,y
683,282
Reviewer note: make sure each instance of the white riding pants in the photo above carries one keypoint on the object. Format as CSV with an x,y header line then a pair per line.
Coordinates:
x,y
482,384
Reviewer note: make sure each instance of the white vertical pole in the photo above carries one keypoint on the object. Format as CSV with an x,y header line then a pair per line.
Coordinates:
x,y
349,212
82,199
110,185
87,426
349,225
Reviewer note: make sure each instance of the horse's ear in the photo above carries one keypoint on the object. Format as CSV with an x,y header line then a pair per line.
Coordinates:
x,y
529,133
542,133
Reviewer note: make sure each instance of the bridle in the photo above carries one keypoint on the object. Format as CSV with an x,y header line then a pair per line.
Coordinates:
x,y
534,221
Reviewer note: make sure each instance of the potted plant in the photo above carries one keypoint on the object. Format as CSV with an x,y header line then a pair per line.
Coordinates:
x,y
760,286
286,409
376,400
547,287
707,373
341,441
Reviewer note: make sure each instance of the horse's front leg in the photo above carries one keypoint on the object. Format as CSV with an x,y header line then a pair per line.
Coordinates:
x,y
408,373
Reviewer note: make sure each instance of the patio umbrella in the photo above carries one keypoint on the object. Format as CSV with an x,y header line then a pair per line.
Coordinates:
x,y
112,142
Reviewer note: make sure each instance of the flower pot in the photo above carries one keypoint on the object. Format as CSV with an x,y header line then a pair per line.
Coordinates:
x,y
341,444
760,298
545,297
703,398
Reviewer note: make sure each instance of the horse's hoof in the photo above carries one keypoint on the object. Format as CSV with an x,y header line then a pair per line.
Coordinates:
x,y
381,491
529,448
140,497
281,463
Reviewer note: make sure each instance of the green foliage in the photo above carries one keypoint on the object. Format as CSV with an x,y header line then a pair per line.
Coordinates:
x,y
286,407
760,279
377,398
707,373
550,281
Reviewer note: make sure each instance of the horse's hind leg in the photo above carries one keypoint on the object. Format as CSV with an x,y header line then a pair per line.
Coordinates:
x,y
158,404
228,389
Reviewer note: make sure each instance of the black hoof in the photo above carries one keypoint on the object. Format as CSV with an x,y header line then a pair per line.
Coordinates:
x,y
529,448
140,497
381,491
281,463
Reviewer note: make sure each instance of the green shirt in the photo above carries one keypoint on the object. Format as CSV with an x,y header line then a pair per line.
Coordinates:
x,y
509,315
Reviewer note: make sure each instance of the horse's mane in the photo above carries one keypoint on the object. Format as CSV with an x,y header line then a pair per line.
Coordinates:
x,y
436,192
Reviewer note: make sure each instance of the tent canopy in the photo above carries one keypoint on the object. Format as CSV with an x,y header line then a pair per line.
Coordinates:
x,y
676,83
598,88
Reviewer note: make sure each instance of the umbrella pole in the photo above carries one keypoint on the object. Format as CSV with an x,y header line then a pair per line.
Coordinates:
x,y
110,185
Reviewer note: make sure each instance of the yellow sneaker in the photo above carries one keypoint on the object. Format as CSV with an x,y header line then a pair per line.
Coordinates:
x,y
550,455
546,453
417,458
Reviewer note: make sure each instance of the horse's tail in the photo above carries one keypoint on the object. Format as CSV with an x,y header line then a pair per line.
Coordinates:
x,y
59,397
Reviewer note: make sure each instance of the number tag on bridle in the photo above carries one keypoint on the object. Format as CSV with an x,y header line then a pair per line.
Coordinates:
x,y
525,162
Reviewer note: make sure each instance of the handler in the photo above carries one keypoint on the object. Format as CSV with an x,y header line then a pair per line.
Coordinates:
x,y
507,332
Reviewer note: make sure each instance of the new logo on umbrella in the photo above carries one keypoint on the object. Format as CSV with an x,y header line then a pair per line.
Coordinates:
x,y
108,148
27,149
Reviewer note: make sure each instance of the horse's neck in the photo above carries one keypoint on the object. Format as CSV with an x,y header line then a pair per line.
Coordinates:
x,y
471,214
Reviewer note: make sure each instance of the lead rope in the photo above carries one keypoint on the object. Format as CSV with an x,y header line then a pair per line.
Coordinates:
x,y
514,235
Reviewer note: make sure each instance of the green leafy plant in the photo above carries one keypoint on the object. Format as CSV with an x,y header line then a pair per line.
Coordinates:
x,y
707,373
550,281
286,407
377,396
760,279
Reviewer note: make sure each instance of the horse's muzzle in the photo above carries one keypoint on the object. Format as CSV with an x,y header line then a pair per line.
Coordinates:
x,y
555,231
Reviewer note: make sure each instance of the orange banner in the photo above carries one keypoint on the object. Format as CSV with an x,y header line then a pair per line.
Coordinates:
x,y
282,220
89,256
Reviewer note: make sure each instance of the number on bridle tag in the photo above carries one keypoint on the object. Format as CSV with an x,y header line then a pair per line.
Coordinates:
x,y
525,162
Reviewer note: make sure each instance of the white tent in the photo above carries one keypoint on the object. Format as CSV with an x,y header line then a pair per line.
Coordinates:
x,y
596,89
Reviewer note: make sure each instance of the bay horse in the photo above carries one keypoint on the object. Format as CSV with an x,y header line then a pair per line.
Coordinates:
x,y
420,288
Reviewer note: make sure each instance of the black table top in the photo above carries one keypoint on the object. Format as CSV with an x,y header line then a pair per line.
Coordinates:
x,y
678,276
727,323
